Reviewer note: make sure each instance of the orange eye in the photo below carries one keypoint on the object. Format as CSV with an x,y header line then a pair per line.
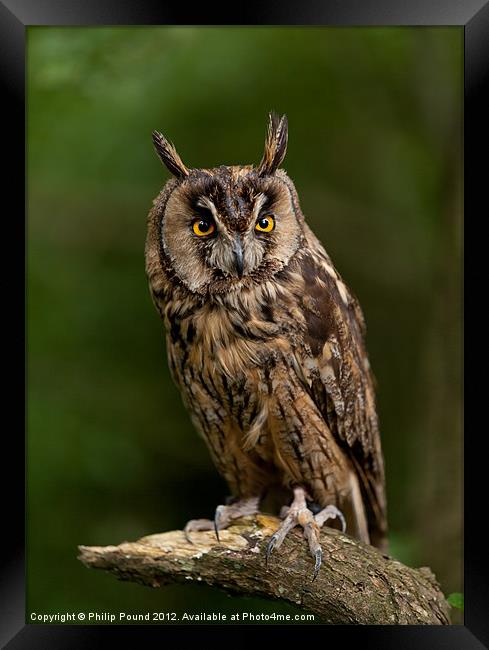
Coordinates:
x,y
202,227
265,224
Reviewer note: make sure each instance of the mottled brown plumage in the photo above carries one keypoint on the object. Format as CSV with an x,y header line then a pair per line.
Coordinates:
x,y
266,342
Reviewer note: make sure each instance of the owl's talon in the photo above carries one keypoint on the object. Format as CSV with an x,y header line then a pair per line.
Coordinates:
x,y
299,514
223,517
317,566
270,547
217,518
196,525
330,512
343,521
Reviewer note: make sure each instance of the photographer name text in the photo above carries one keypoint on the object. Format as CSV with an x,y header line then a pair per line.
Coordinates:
x,y
164,617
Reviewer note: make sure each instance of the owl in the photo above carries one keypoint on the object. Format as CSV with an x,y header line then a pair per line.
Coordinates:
x,y
266,344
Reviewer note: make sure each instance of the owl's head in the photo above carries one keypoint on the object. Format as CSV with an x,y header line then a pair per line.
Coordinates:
x,y
226,228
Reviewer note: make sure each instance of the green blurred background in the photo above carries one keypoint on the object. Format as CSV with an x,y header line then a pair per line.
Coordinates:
x,y
375,142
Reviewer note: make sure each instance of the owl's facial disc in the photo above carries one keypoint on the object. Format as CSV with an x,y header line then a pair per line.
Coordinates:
x,y
228,228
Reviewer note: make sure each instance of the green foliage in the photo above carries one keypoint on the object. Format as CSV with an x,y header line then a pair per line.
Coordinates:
x,y
456,600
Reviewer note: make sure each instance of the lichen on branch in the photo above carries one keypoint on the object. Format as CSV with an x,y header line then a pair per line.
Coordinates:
x,y
356,583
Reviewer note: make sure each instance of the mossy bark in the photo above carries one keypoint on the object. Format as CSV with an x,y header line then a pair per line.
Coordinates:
x,y
356,583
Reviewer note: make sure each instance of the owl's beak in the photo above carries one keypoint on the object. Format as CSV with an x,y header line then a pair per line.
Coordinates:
x,y
238,256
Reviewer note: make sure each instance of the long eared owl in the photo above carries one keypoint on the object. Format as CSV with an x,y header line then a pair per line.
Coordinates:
x,y
266,344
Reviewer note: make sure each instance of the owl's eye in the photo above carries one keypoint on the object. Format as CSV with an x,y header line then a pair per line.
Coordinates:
x,y
265,224
203,227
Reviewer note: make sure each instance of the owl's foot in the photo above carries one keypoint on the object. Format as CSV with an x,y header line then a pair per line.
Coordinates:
x,y
298,514
223,517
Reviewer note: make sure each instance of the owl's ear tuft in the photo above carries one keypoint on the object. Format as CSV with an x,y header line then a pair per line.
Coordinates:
x,y
169,156
275,144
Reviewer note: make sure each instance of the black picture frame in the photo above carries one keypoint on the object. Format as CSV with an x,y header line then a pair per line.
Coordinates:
x,y
15,16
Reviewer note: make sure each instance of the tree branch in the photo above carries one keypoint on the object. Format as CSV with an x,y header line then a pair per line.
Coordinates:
x,y
356,583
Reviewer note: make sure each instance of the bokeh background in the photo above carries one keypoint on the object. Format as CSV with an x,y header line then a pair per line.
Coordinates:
x,y
375,146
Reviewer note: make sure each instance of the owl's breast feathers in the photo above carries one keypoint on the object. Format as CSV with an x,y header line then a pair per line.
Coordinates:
x,y
278,382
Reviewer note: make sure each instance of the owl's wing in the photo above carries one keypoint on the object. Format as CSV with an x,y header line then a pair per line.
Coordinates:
x,y
337,375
